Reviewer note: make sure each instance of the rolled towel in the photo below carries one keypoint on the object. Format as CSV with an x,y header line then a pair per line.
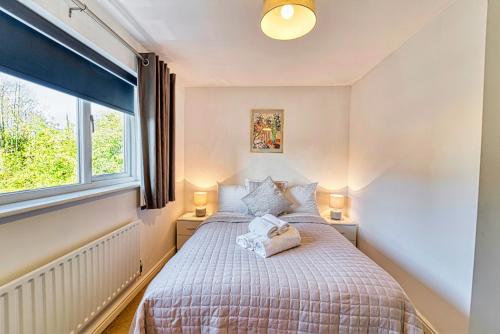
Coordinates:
x,y
280,224
268,247
263,227
247,240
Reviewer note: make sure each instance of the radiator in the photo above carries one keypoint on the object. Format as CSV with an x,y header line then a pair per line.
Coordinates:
x,y
65,295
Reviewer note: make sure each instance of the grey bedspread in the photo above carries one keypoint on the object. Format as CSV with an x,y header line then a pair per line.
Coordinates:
x,y
325,285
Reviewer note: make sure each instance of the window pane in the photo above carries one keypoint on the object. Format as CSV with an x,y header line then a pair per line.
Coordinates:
x,y
38,136
107,141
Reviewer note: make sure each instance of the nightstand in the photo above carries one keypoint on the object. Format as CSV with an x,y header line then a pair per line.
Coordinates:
x,y
186,226
345,227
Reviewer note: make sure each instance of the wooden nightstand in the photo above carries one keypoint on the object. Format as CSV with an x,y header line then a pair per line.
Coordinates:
x,y
345,227
186,226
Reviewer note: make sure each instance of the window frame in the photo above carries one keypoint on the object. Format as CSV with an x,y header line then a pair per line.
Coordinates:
x,y
128,157
86,181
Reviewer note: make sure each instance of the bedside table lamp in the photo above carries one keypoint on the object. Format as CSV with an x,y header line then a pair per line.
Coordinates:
x,y
200,201
337,204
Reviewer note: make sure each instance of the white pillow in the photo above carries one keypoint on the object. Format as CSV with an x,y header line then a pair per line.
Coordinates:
x,y
230,198
303,198
253,184
267,198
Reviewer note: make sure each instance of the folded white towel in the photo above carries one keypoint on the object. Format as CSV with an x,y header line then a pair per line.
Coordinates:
x,y
267,247
247,240
280,224
263,227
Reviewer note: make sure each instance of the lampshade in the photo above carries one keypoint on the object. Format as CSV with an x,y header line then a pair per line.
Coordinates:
x,y
200,198
337,201
288,19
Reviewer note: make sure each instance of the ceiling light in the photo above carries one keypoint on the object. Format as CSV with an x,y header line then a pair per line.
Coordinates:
x,y
288,19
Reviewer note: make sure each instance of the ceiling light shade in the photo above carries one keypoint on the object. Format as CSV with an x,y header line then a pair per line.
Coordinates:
x,y
288,19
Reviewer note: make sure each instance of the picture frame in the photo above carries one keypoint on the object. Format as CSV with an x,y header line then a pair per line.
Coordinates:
x,y
266,130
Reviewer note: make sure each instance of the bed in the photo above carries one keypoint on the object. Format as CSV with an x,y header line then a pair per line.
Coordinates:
x,y
325,285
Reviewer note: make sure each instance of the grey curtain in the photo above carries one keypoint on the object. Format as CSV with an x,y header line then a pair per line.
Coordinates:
x,y
157,118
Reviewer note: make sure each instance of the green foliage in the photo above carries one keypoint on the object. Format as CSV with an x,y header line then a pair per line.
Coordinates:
x,y
38,153
107,144
34,153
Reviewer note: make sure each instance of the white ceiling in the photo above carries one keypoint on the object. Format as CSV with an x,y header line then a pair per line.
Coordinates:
x,y
219,42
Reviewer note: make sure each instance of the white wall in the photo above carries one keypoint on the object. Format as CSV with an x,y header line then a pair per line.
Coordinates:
x,y
484,317
415,131
29,241
217,137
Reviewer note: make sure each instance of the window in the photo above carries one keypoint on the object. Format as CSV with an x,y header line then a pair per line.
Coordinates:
x,y
38,136
52,143
108,139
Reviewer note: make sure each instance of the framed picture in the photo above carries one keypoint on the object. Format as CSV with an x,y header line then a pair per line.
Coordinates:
x,y
266,131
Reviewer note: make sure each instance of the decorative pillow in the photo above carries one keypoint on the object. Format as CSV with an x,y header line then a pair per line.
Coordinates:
x,y
253,184
267,198
230,198
303,198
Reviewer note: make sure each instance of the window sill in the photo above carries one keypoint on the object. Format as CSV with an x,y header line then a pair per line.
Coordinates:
x,y
18,208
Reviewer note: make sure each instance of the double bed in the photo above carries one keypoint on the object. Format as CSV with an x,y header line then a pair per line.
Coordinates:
x,y
325,285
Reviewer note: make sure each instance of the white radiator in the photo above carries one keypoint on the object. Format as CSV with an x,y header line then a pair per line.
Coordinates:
x,y
63,296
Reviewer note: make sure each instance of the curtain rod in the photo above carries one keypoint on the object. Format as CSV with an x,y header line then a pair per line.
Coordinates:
x,y
81,7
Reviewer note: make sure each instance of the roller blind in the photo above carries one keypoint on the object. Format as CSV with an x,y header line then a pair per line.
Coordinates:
x,y
34,49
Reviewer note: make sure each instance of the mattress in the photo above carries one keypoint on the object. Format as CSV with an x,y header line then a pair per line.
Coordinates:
x,y
325,285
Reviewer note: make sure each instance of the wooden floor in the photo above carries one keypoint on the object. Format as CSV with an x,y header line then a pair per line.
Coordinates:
x,y
122,323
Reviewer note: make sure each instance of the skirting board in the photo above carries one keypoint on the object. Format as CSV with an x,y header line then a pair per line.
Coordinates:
x,y
428,328
114,309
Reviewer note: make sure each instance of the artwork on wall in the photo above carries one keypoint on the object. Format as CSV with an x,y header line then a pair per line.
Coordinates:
x,y
266,131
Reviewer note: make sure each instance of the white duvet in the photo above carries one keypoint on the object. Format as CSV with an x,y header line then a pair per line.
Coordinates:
x,y
324,286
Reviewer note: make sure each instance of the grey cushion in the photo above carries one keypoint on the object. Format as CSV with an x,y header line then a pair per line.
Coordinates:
x,y
266,198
